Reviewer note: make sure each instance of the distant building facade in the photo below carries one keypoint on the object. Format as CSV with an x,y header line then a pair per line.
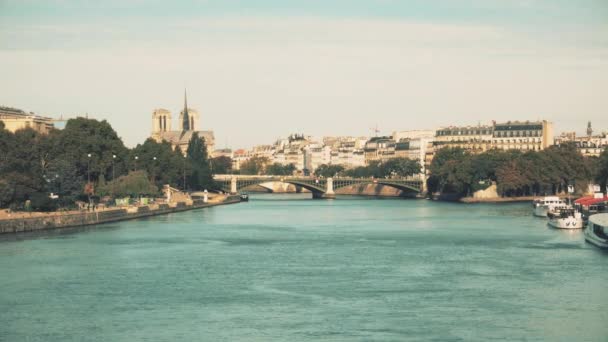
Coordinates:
x,y
188,122
511,135
589,145
15,119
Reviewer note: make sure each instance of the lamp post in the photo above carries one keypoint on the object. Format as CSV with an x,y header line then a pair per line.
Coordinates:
x,y
113,161
136,157
154,169
89,168
184,187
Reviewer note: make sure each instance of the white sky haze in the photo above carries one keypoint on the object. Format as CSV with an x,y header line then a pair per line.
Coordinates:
x,y
261,70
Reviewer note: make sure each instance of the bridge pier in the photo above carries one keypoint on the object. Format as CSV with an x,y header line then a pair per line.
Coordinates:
x,y
329,191
322,195
233,189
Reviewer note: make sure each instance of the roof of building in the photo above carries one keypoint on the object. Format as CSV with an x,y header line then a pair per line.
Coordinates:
x,y
14,111
183,137
590,200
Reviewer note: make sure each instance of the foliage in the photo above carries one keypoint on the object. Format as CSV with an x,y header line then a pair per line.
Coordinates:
x,y
62,162
331,170
221,165
161,162
516,173
400,167
40,201
200,176
277,169
254,166
602,169
135,183
394,167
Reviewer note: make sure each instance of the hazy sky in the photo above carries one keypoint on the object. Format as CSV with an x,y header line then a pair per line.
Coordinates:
x,y
259,70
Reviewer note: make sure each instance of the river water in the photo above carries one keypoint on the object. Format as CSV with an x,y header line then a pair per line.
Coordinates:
x,y
289,268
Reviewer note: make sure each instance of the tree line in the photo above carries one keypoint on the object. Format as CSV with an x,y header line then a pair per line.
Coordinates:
x,y
395,167
516,173
87,158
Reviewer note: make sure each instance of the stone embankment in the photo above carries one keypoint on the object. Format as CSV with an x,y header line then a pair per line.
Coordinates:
x,y
16,223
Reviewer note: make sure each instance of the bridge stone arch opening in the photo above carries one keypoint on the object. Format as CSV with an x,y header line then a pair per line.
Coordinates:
x,y
319,187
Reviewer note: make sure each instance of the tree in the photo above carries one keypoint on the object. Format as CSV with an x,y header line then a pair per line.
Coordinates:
x,y
134,184
221,165
451,171
331,170
602,169
254,166
82,137
401,167
200,176
277,169
160,161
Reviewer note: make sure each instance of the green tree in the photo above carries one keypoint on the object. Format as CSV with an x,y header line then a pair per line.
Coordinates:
x,y
221,165
200,175
277,169
254,166
451,171
400,167
135,183
601,175
161,162
331,170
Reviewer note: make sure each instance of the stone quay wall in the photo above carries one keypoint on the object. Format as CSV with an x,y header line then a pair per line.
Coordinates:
x,y
77,219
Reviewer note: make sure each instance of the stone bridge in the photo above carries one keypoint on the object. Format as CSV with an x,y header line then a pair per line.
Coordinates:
x,y
320,187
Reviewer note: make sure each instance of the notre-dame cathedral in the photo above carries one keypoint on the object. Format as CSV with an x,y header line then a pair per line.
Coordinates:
x,y
188,121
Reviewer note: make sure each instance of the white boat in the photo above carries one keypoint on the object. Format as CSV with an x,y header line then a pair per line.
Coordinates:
x,y
597,230
566,219
543,206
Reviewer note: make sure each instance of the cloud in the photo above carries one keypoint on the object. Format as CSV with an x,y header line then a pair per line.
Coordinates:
x,y
257,78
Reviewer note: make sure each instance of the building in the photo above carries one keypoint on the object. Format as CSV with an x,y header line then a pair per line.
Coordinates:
x,y
222,152
346,151
589,145
379,149
315,155
414,145
473,138
188,122
524,136
15,119
511,135
239,157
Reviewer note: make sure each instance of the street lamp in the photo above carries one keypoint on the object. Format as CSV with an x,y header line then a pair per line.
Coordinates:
x,y
113,161
136,157
184,188
154,169
89,168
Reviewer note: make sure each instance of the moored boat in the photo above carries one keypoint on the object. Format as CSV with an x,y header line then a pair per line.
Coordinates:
x,y
590,205
244,197
543,206
596,232
567,218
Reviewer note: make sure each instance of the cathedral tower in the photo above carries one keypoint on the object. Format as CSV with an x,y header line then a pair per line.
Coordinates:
x,y
161,120
188,117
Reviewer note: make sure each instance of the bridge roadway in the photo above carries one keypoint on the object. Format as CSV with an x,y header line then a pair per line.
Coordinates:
x,y
320,187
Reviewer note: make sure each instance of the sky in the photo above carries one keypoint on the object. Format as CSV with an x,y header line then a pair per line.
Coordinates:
x,y
258,70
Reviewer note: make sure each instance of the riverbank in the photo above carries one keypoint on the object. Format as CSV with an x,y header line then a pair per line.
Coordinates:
x,y
29,222
497,199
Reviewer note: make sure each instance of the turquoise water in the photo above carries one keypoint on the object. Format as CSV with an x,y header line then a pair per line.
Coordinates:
x,y
287,268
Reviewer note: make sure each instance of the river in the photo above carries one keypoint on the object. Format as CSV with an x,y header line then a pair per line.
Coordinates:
x,y
289,268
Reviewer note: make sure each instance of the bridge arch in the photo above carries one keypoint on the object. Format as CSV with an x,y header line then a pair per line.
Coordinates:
x,y
320,187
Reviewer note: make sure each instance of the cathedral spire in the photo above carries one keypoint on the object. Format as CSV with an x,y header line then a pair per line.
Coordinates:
x,y
186,117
